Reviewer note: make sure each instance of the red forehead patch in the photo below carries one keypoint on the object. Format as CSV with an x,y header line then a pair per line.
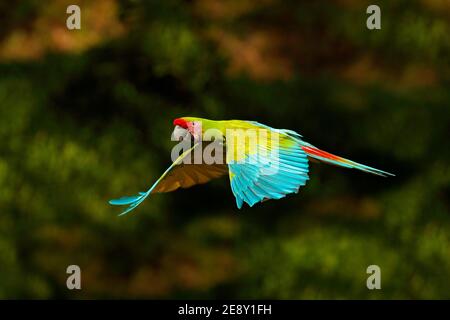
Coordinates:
x,y
180,122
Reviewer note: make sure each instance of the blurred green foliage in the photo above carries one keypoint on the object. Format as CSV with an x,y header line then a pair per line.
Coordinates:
x,y
79,128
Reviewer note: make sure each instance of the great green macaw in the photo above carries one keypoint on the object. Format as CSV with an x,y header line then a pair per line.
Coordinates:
x,y
257,171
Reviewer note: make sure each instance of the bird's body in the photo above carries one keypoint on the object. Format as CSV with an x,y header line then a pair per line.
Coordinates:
x,y
262,162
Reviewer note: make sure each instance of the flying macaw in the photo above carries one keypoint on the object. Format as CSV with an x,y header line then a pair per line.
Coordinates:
x,y
247,164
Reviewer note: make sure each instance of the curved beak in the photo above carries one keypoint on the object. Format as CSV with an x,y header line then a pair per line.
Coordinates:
x,y
180,133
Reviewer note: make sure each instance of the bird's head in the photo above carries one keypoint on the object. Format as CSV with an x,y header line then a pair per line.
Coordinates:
x,y
187,127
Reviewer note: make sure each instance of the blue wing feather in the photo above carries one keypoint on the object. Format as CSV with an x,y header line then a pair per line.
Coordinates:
x,y
134,201
126,200
253,180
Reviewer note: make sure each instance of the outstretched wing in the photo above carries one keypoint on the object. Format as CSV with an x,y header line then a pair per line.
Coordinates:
x,y
188,175
268,171
178,175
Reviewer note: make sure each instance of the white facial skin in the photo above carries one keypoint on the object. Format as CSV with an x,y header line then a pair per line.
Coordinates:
x,y
196,129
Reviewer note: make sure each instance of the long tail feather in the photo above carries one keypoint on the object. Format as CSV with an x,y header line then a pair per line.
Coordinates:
x,y
329,158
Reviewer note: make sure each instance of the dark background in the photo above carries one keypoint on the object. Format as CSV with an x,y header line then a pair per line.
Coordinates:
x,y
86,116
